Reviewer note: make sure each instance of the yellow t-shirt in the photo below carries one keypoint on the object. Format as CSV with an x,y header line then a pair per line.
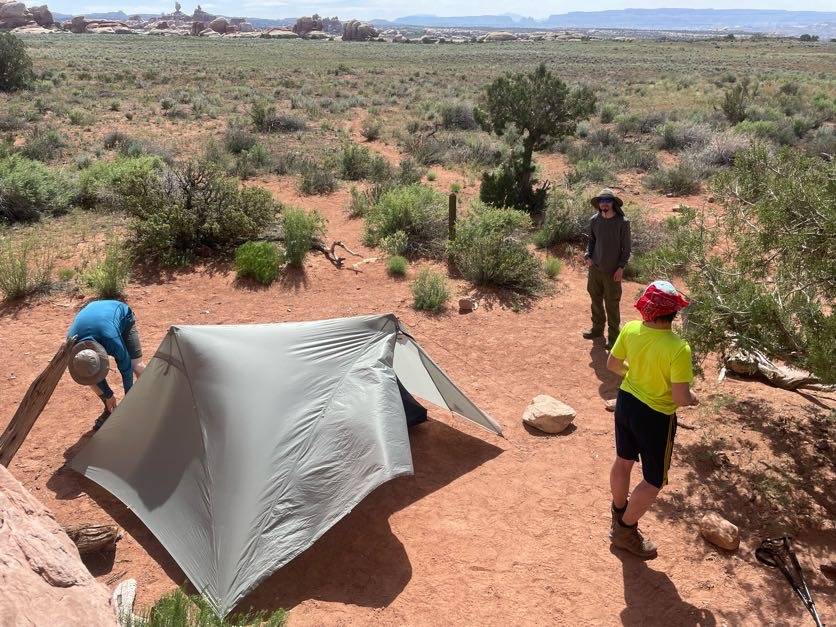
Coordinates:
x,y
655,359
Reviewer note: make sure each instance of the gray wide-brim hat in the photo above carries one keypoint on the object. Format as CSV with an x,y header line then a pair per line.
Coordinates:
x,y
88,363
607,193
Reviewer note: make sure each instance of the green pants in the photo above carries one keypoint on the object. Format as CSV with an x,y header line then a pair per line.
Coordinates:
x,y
606,296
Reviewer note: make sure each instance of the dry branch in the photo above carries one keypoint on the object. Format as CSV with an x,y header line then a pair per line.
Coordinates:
x,y
33,403
94,538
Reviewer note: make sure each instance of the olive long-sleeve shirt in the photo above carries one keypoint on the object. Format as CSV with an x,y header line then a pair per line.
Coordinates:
x,y
609,242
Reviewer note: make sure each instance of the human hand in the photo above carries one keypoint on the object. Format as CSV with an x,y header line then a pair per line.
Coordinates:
x,y
618,275
110,404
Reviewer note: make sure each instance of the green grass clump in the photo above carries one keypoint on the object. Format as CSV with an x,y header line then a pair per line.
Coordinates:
x,y
316,179
261,261
30,189
25,267
416,210
397,265
552,267
124,184
107,277
679,180
44,145
300,228
429,291
490,249
178,609
566,220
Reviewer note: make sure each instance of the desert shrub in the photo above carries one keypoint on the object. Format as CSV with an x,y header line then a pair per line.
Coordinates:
x,y
552,267
822,142
679,180
677,136
380,170
417,211
116,139
458,116
354,162
779,132
502,186
79,117
638,157
736,100
29,189
472,150
316,179
44,145
289,162
301,228
396,265
430,291
15,64
409,172
198,210
604,137
628,124
107,276
25,267
266,120
10,121
720,151
608,112
490,249
396,243
370,129
667,250
774,291
237,139
594,171
182,610
261,261
566,219
125,184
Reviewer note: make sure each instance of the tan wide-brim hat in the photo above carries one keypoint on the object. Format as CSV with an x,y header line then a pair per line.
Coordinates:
x,y
88,363
607,194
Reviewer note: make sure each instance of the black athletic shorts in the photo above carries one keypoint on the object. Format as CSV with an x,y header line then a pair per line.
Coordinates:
x,y
642,432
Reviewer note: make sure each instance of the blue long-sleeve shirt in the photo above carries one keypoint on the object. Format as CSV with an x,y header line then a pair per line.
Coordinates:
x,y
106,322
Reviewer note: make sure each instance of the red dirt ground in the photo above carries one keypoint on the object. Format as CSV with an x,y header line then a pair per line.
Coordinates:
x,y
489,530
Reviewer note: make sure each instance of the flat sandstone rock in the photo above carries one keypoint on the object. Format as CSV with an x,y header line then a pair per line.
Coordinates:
x,y
548,414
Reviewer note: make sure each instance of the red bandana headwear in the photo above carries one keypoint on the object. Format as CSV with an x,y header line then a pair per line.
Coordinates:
x,y
660,298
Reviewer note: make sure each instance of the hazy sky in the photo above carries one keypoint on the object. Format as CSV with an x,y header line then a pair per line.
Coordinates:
x,y
367,9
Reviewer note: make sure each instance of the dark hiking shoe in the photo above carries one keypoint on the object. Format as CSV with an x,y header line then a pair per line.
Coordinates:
x,y
616,517
592,334
101,420
631,539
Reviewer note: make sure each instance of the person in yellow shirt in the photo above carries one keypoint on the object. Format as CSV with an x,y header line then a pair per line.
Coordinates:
x,y
655,364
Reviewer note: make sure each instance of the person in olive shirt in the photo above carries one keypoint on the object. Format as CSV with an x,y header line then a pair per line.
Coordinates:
x,y
102,328
607,253
657,371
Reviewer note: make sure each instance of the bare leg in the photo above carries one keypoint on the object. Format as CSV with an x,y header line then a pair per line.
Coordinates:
x,y
620,480
640,501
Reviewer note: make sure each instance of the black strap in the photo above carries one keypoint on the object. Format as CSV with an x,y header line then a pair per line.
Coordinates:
x,y
778,553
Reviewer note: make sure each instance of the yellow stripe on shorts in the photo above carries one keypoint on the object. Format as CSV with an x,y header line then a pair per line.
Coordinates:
x,y
668,450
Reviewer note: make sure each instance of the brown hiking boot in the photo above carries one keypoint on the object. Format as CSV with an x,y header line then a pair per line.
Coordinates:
x,y
616,517
631,539
592,334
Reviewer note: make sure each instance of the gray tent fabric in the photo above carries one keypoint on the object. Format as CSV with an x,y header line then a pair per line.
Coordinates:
x,y
241,445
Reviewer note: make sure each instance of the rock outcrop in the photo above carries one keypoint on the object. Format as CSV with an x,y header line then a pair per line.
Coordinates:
x,y
197,28
499,36
305,25
44,580
219,25
15,15
358,31
42,16
279,33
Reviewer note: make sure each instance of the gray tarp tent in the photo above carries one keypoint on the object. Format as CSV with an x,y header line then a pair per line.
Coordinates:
x,y
241,445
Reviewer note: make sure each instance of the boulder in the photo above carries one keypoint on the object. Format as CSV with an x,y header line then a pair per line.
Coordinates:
x,y
426,39
466,305
357,31
209,33
31,29
10,23
42,16
279,33
44,580
197,28
305,25
318,35
246,27
219,25
548,414
78,24
12,9
499,36
719,531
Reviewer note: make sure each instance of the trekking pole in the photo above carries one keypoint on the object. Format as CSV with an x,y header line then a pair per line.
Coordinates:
x,y
776,552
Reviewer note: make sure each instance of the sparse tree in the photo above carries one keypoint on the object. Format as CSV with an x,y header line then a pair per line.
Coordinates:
x,y
541,108
736,100
15,64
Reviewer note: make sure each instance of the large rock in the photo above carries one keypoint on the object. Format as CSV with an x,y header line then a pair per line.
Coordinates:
x,y
279,33
31,29
42,16
10,23
499,36
43,579
358,31
246,27
305,25
548,414
197,28
12,9
219,25
77,25
720,531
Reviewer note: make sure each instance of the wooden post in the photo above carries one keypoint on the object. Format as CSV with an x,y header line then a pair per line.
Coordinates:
x,y
451,220
33,403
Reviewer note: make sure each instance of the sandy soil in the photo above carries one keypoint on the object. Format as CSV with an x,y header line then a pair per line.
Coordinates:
x,y
506,530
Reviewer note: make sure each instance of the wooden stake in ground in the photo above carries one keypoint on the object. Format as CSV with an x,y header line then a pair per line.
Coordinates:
x,y
33,403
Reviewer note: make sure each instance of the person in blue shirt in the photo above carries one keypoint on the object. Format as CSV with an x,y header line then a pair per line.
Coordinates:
x,y
102,328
